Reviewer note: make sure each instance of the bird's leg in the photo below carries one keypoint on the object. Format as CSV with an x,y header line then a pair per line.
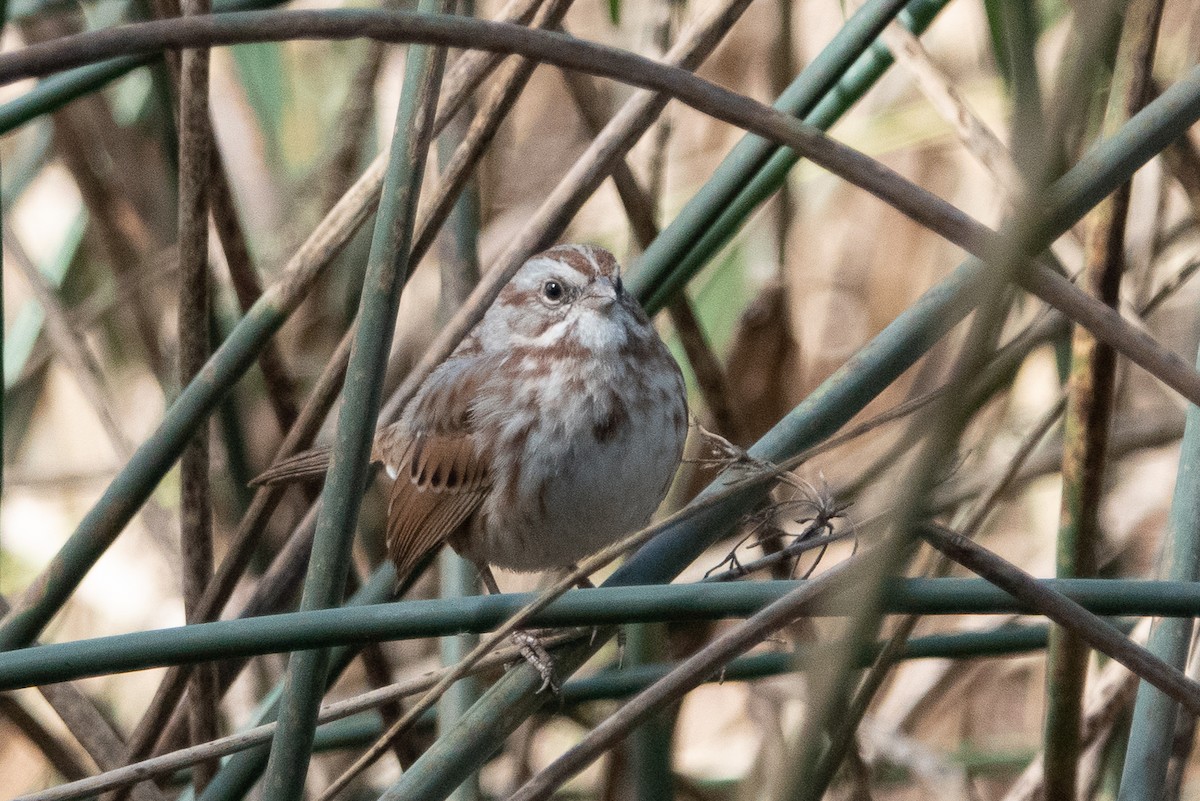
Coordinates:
x,y
584,583
531,647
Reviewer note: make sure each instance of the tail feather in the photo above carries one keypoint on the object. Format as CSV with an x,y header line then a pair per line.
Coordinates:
x,y
301,467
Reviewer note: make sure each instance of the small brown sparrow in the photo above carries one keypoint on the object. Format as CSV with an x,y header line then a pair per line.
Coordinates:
x,y
554,428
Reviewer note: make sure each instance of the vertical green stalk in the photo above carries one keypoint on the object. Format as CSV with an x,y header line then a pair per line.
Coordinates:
x,y
459,579
651,764
1014,36
387,270
459,257
1148,752
1090,398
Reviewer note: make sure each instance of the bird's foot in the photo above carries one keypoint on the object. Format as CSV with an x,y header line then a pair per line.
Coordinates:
x,y
536,655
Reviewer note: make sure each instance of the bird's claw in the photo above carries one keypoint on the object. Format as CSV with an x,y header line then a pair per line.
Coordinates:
x,y
536,655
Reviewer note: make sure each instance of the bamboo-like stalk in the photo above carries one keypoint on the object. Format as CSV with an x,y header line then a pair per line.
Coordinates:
x,y
1149,749
1090,399
459,261
374,621
387,271
1014,28
195,534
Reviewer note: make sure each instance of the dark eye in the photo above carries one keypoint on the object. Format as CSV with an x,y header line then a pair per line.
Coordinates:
x,y
619,286
553,291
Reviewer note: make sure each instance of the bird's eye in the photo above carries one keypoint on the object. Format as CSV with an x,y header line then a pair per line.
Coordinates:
x,y
619,286
553,291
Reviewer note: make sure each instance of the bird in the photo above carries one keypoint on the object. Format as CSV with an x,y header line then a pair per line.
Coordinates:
x,y
553,429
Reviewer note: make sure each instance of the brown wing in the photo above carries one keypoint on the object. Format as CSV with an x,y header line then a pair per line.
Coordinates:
x,y
442,473
441,481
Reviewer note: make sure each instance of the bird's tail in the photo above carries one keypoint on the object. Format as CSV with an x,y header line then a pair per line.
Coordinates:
x,y
301,467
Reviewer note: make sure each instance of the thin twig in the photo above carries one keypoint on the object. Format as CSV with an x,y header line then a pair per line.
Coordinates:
x,y
939,89
228,229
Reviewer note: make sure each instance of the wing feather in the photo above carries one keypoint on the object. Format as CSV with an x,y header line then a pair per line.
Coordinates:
x,y
442,470
440,483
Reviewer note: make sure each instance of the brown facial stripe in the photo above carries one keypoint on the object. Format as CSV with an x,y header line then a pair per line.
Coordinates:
x,y
567,347
511,296
572,257
607,261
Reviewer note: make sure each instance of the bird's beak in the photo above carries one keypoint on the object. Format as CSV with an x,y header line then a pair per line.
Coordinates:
x,y
604,292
